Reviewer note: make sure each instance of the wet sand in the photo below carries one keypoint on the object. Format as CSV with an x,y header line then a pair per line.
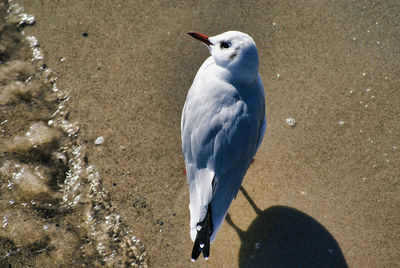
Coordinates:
x,y
332,67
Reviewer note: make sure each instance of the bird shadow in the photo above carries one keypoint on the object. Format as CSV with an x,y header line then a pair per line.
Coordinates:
x,y
286,237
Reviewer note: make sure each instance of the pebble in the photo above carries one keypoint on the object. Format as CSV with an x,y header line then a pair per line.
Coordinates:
x,y
99,140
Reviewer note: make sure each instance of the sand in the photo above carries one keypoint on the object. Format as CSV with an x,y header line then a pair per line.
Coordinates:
x,y
325,191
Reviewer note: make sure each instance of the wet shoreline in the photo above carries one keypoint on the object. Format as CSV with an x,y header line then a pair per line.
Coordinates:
x,y
54,206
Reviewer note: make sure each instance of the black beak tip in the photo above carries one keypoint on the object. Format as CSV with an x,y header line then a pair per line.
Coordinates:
x,y
203,38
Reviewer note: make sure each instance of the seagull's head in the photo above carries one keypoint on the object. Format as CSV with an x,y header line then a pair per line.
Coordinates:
x,y
233,50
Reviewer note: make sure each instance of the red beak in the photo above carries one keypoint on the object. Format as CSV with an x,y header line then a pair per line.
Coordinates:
x,y
203,38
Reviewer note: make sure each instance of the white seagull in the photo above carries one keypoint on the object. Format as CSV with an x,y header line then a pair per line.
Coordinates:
x,y
223,124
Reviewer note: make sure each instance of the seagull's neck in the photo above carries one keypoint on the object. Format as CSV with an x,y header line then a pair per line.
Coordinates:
x,y
239,77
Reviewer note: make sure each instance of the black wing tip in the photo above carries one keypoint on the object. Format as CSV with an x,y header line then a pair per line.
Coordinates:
x,y
200,248
206,250
202,241
196,250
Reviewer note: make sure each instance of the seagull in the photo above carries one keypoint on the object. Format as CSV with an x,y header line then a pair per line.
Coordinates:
x,y
223,124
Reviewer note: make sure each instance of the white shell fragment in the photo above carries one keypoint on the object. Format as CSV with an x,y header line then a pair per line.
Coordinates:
x,y
290,121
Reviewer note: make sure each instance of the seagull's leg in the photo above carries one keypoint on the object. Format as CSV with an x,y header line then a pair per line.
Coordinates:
x,y
202,241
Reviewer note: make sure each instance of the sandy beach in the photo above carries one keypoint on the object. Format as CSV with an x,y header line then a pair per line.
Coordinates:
x,y
322,193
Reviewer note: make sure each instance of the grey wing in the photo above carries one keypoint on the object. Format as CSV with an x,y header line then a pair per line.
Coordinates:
x,y
234,149
222,130
236,142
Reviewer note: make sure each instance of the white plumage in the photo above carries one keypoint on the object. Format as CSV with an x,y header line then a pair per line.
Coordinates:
x,y
223,123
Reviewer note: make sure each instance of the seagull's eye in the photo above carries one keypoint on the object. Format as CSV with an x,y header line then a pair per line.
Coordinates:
x,y
225,44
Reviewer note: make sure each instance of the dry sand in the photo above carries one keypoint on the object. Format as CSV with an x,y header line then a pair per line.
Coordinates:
x,y
326,190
